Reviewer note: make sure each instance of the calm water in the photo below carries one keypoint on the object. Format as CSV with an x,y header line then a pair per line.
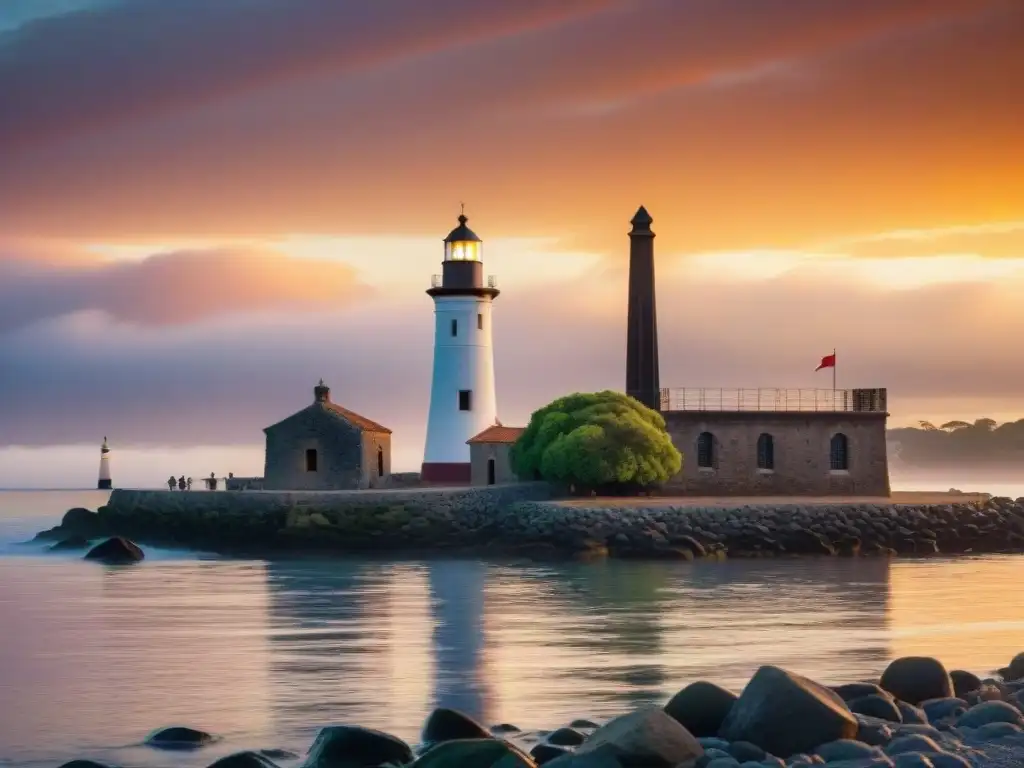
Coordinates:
x,y
93,658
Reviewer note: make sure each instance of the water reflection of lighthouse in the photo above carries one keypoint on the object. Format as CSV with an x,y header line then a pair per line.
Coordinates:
x,y
457,608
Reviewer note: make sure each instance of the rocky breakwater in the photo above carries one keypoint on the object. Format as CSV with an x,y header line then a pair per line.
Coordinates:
x,y
263,522
662,530
916,715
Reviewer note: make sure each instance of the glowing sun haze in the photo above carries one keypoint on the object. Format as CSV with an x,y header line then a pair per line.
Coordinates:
x,y
206,207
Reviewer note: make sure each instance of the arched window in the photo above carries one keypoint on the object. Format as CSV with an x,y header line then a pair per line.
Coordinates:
x,y
380,462
839,452
706,450
765,451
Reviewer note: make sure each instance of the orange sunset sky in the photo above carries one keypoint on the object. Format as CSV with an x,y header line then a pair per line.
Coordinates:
x,y
207,206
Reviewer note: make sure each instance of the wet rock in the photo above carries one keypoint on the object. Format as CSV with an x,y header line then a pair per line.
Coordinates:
x,y
882,707
912,760
746,752
345,746
964,682
504,728
279,754
84,764
115,551
70,543
946,760
648,737
545,753
990,712
566,737
712,742
450,724
177,737
1016,669
913,743
701,707
244,760
940,709
581,723
722,762
784,713
475,753
912,715
846,749
997,730
873,732
852,691
81,521
914,679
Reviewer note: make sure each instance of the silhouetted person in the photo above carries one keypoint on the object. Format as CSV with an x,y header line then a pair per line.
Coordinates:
x,y
188,484
171,482
211,482
181,483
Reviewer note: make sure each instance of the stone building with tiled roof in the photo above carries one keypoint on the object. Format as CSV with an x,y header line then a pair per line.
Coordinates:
x,y
489,455
325,447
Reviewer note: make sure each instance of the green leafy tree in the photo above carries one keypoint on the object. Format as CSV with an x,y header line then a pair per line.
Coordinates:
x,y
601,441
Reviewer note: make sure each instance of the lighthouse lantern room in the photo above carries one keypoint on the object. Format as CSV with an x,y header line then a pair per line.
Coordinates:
x,y
462,395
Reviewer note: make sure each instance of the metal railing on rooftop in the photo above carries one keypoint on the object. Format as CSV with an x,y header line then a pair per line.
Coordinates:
x,y
723,399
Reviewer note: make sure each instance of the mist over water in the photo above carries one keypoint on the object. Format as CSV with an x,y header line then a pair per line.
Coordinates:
x,y
263,653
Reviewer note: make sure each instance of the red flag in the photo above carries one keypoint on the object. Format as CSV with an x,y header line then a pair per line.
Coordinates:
x,y
828,361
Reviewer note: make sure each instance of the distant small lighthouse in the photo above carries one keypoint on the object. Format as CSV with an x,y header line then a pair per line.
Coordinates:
x,y
462,396
104,483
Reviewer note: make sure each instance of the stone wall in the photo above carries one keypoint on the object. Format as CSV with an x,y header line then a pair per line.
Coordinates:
x,y
801,448
339,450
421,518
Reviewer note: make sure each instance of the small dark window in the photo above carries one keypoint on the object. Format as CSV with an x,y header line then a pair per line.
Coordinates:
x,y
380,463
455,327
490,472
311,460
480,322
465,399
706,450
766,452
839,452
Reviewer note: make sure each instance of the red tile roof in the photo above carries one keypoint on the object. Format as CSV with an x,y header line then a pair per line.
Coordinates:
x,y
356,420
498,434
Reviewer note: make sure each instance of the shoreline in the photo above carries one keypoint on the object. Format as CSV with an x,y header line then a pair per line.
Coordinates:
x,y
915,714
525,520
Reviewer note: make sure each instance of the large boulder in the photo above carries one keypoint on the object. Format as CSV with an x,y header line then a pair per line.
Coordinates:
x,y
474,753
244,760
914,679
116,551
349,746
851,691
701,707
179,737
566,737
882,707
84,764
784,713
647,737
81,521
449,725
1016,669
964,682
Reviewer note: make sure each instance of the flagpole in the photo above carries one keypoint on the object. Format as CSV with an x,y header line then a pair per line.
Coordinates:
x,y
834,361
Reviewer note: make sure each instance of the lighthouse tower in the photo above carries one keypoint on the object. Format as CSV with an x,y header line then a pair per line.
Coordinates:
x,y
462,399
104,483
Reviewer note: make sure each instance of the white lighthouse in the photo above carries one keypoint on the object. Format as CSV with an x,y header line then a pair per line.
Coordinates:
x,y
462,398
104,483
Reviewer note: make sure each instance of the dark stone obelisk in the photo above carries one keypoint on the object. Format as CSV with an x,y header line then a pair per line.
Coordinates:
x,y
642,381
